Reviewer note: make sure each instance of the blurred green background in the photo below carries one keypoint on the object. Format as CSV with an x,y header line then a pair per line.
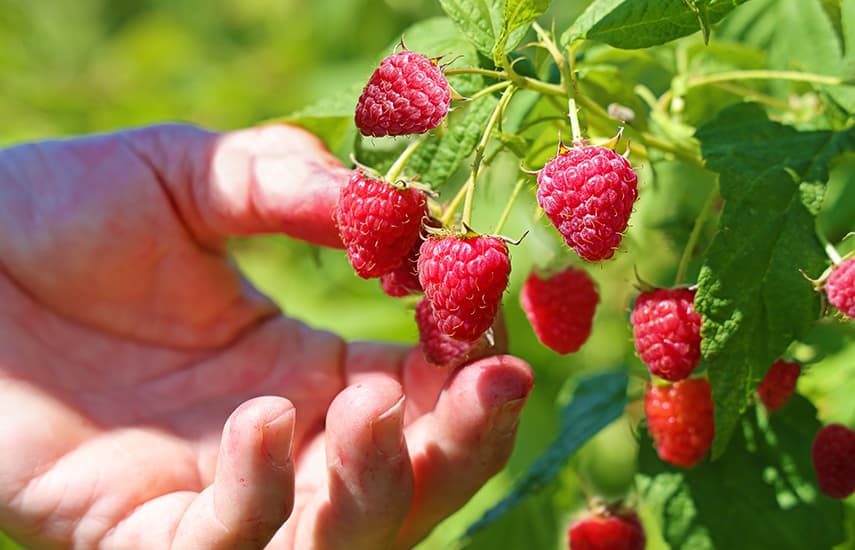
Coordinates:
x,y
98,65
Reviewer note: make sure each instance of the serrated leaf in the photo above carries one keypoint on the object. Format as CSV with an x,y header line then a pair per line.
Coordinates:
x,y
596,402
760,495
435,162
516,16
479,20
752,297
643,23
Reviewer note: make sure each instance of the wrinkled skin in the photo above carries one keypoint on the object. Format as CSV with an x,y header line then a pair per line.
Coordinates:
x,y
150,398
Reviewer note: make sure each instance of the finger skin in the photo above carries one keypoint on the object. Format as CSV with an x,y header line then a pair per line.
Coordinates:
x,y
370,484
465,440
270,179
253,490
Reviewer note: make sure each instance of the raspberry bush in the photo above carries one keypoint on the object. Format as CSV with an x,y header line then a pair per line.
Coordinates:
x,y
652,196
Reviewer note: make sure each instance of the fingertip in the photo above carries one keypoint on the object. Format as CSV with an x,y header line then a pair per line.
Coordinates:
x,y
370,482
253,490
255,470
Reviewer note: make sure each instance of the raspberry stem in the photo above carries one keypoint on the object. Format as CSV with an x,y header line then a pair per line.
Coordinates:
x,y
686,257
489,90
507,211
466,219
729,76
830,251
398,166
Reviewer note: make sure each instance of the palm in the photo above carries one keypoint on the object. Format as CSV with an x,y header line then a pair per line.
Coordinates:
x,y
127,341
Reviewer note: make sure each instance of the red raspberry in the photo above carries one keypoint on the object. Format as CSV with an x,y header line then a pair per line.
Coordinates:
x,y
407,94
378,223
464,278
833,453
680,420
840,287
778,384
588,193
439,348
560,308
607,531
667,332
404,279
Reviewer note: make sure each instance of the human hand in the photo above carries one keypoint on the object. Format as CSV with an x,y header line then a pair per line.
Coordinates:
x,y
152,399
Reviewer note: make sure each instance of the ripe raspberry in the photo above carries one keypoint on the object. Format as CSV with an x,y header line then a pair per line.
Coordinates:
x,y
667,332
439,348
833,453
588,193
560,308
378,223
840,287
778,384
407,94
607,531
680,420
404,279
464,278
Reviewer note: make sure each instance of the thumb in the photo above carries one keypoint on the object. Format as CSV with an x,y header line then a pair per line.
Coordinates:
x,y
269,179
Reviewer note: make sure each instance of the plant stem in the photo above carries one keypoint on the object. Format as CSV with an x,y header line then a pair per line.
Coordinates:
x,y
398,166
489,90
695,235
752,95
795,76
681,153
507,212
499,75
830,251
455,202
572,112
466,219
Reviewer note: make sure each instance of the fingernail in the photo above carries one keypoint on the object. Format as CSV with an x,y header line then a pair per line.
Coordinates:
x,y
388,429
277,438
507,416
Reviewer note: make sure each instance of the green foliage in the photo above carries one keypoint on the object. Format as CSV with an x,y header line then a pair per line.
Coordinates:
x,y
752,296
480,21
517,15
740,166
760,495
440,157
596,402
644,23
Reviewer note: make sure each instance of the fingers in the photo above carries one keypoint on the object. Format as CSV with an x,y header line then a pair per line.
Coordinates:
x,y
465,440
270,179
370,482
253,490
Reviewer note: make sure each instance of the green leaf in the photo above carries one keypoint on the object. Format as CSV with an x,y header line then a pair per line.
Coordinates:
x,y
833,10
516,16
752,297
437,160
479,20
596,402
634,24
331,118
760,495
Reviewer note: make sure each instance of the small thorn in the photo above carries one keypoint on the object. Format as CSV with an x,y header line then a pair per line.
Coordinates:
x,y
450,61
525,170
640,284
514,242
